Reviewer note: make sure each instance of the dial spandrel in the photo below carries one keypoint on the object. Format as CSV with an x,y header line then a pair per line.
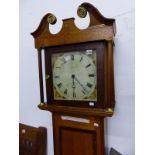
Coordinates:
x,y
74,75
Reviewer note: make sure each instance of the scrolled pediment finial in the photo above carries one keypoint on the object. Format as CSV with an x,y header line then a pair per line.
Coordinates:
x,y
69,33
51,19
82,12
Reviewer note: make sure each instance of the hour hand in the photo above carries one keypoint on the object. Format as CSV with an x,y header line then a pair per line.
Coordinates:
x,y
73,78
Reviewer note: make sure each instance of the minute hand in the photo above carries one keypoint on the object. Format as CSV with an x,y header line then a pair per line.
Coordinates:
x,y
81,85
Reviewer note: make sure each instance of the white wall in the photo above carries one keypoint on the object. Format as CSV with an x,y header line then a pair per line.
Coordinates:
x,y
121,126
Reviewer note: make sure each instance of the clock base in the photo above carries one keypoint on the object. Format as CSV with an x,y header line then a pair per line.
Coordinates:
x,y
75,135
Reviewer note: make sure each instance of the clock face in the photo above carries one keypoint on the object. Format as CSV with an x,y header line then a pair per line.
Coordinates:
x,y
74,75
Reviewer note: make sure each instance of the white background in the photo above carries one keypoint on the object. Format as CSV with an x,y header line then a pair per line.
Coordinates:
x,y
120,127
9,81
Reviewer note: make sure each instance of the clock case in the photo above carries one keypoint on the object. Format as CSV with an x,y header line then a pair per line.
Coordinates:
x,y
98,47
99,36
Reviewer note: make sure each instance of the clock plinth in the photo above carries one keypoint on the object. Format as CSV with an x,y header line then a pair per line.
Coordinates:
x,y
79,80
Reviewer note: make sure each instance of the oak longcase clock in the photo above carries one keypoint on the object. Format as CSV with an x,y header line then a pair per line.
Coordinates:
x,y
78,80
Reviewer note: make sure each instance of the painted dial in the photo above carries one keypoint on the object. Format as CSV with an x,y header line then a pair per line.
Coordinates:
x,y
74,76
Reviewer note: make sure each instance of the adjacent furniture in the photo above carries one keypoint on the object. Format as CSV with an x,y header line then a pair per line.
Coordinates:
x,y
32,140
114,152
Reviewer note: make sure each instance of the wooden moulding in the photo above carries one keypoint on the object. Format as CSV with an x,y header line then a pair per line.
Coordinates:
x,y
100,28
77,110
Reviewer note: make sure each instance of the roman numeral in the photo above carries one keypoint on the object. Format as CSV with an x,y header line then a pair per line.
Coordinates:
x,y
89,85
91,75
59,85
74,95
81,59
72,57
64,60
56,76
88,65
65,92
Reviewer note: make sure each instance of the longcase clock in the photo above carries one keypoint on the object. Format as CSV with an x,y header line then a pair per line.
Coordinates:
x,y
79,80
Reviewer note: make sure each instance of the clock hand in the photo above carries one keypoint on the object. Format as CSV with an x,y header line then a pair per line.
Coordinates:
x,y
73,83
81,84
